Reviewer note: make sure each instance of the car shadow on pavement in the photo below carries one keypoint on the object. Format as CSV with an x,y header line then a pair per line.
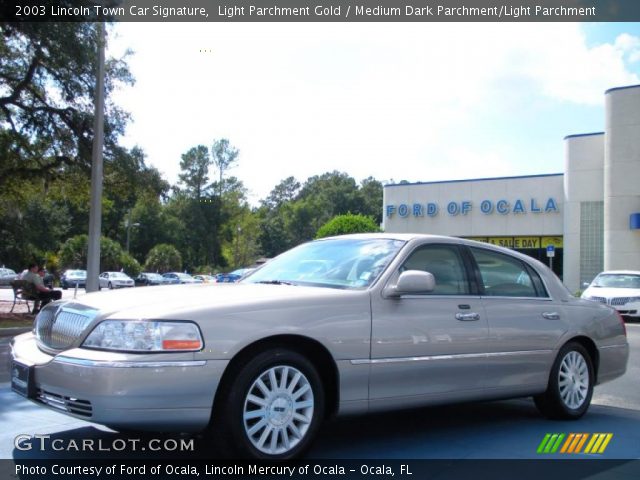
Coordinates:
x,y
494,430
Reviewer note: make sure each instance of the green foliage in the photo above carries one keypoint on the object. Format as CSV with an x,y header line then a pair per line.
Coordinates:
x,y
130,265
195,167
349,223
47,81
292,213
163,258
224,156
30,225
73,254
52,263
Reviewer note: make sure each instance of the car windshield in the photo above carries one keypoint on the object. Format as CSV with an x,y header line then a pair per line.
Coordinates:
x,y
119,275
76,273
350,263
617,280
184,275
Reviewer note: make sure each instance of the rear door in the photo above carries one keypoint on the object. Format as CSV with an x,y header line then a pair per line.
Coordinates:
x,y
525,323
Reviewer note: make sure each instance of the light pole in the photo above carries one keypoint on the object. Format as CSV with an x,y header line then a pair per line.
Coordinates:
x,y
95,210
237,255
128,225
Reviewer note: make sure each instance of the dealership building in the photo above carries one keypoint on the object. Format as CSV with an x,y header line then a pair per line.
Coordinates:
x,y
579,222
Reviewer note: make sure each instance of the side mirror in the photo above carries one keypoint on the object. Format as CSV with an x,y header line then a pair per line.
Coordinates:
x,y
411,282
585,285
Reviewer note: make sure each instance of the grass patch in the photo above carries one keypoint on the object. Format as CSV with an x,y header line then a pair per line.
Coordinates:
x,y
16,320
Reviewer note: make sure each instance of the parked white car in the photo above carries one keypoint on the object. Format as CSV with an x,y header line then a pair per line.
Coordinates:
x,y
115,280
618,288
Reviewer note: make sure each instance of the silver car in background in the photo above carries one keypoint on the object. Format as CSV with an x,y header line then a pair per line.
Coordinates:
x,y
344,325
113,280
7,276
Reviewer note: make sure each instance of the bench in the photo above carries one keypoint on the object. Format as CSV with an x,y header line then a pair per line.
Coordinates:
x,y
24,292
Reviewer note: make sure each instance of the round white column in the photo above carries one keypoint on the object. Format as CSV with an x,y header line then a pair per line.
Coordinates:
x,y
583,184
621,178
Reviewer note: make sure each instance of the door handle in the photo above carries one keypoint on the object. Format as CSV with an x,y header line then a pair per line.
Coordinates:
x,y
551,315
467,317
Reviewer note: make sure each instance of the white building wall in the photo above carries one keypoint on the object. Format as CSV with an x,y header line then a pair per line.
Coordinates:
x,y
583,182
621,178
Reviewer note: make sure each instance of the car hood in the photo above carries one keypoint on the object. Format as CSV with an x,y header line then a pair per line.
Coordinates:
x,y
180,301
611,292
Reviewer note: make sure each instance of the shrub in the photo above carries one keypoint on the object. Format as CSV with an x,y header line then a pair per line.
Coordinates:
x,y
348,223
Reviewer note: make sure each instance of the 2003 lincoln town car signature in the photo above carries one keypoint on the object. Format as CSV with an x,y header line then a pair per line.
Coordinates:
x,y
343,325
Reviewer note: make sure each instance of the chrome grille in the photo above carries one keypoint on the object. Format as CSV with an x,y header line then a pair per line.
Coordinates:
x,y
598,299
59,328
73,405
620,301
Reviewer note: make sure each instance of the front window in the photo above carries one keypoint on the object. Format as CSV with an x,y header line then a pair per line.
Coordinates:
x,y
617,280
349,263
446,266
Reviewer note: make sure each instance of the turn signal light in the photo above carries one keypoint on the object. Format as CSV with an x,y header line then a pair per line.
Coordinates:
x,y
181,345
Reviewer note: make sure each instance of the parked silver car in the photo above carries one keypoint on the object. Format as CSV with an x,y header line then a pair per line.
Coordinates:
x,y
343,325
179,277
7,276
73,278
112,280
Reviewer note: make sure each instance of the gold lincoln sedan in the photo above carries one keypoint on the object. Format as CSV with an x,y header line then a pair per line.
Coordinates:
x,y
338,326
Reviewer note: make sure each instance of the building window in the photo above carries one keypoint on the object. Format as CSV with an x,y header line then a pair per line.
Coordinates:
x,y
591,240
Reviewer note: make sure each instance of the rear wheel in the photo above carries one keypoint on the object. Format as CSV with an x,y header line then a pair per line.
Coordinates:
x,y
570,387
275,405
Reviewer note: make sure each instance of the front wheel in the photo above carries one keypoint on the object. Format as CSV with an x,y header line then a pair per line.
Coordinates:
x,y
275,406
110,286
570,387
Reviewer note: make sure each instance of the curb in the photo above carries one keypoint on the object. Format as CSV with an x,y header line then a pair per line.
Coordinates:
x,y
12,332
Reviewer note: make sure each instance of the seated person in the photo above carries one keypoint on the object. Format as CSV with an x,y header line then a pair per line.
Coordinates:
x,y
45,295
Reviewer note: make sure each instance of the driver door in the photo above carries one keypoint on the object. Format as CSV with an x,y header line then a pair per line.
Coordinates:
x,y
429,344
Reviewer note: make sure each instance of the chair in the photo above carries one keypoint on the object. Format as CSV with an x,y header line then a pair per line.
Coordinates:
x,y
23,292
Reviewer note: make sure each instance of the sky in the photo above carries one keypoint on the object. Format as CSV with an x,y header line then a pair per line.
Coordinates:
x,y
396,101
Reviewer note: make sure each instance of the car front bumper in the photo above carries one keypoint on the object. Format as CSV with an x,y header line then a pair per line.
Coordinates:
x,y
119,390
631,309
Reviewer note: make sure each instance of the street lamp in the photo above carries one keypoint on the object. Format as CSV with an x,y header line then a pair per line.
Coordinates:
x,y
128,225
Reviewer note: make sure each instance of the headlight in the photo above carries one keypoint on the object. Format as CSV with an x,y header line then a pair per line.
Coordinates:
x,y
145,336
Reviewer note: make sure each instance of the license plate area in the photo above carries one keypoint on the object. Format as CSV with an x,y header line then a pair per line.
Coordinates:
x,y
22,379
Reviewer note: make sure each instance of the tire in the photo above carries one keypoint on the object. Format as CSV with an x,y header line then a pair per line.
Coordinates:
x,y
570,387
289,386
110,286
64,286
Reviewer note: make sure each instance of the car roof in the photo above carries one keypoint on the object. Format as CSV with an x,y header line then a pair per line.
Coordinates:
x,y
388,236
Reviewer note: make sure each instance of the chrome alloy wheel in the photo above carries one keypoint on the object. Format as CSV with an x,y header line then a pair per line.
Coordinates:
x,y
573,380
278,409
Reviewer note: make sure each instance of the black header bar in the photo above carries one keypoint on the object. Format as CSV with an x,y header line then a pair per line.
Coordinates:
x,y
321,10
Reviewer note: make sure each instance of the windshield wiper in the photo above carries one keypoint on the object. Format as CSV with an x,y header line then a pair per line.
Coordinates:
x,y
275,282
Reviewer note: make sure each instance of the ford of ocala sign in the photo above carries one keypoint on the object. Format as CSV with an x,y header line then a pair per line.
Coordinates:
x,y
487,207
